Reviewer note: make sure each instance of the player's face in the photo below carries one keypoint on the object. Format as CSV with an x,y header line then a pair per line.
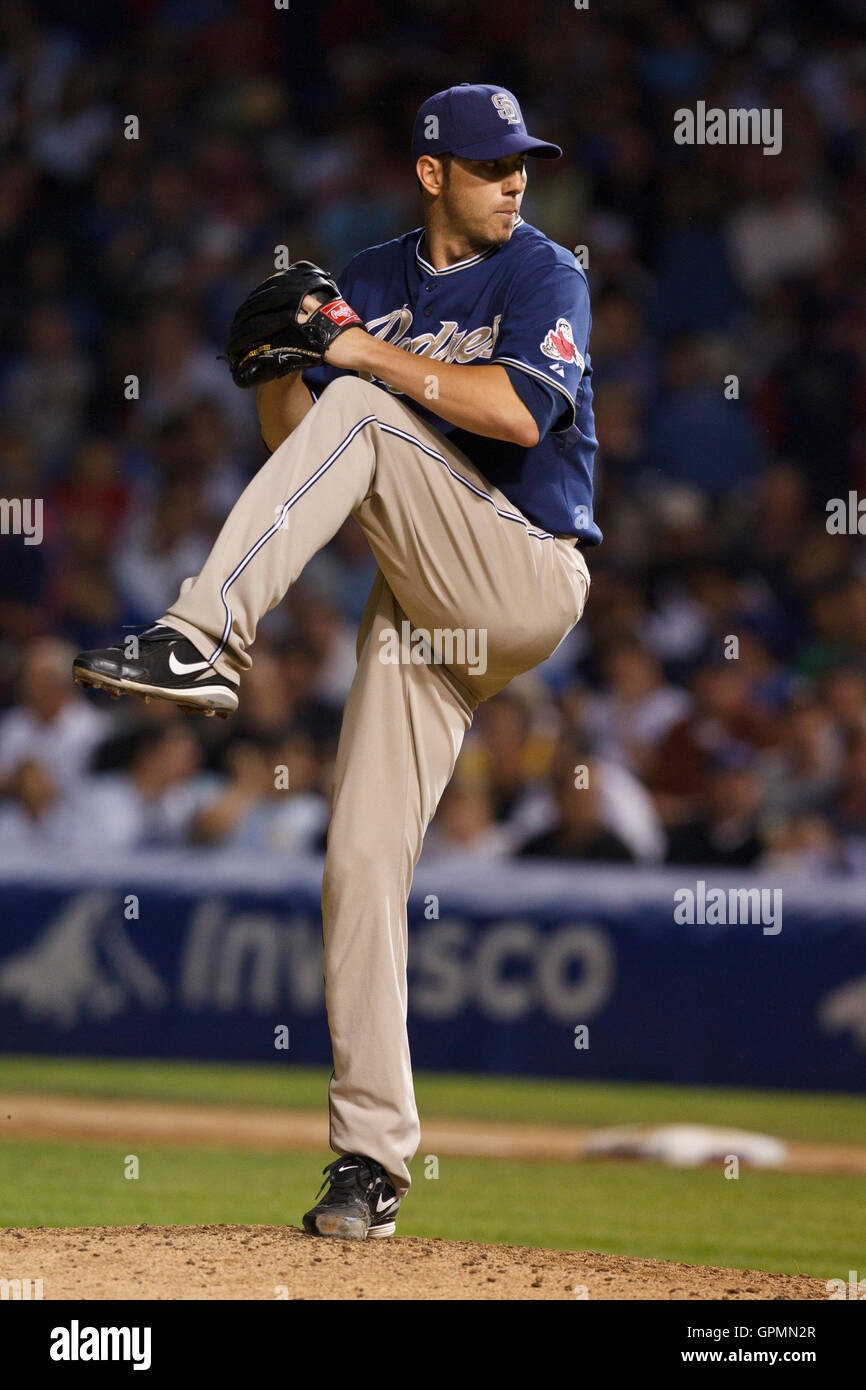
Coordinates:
x,y
483,197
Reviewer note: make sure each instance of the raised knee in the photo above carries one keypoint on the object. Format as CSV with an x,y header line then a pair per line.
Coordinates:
x,y
353,391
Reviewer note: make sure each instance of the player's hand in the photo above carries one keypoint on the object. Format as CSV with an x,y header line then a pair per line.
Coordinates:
x,y
308,304
344,350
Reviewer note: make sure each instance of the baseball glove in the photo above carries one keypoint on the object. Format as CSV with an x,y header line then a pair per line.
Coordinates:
x,y
266,340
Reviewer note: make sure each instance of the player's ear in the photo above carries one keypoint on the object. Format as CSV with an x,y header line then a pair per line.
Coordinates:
x,y
431,174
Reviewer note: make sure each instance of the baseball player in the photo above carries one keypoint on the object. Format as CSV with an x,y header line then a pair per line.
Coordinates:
x,y
439,392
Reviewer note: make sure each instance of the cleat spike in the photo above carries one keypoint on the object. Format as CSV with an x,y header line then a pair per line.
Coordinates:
x,y
209,713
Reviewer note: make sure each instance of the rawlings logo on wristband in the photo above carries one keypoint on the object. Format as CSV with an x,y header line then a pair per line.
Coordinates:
x,y
339,312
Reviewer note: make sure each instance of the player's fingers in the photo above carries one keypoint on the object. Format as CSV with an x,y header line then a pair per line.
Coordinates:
x,y
308,304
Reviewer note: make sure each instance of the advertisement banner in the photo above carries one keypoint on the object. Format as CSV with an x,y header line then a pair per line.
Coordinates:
x,y
514,968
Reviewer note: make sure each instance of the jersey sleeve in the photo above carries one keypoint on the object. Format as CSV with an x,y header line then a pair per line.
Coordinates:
x,y
544,342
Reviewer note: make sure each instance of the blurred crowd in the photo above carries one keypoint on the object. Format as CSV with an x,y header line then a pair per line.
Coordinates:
x,y
710,708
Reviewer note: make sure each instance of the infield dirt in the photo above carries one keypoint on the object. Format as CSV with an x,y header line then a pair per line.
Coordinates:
x,y
94,1120
271,1262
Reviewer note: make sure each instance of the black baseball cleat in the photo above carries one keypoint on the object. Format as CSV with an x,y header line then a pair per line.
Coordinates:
x,y
360,1201
158,664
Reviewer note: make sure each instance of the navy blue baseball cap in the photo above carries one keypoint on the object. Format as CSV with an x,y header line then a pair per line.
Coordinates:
x,y
475,121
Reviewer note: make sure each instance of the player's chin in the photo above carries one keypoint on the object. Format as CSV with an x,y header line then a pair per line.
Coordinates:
x,y
502,225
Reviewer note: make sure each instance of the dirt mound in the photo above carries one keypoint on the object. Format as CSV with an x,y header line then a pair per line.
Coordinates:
x,y
270,1262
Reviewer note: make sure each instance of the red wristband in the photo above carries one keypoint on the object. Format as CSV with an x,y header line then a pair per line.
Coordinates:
x,y
339,312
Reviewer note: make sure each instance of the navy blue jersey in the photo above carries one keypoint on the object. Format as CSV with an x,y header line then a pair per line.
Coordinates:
x,y
523,304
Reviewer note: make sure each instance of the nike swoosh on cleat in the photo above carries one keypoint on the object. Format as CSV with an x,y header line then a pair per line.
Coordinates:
x,y
185,668
383,1206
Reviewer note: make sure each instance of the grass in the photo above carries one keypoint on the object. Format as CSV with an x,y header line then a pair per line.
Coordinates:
x,y
789,1114
791,1223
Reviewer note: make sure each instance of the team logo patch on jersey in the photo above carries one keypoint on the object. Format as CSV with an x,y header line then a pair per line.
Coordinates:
x,y
559,344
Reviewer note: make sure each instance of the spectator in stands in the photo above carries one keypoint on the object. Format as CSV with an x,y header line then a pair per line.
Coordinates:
x,y
804,769
92,500
729,829
67,144
623,804
848,808
723,716
785,228
696,434
503,753
127,257
165,546
179,370
833,638
32,818
806,846
150,803
270,802
45,394
54,726
464,825
306,705
579,832
844,697
85,598
635,710
323,629
343,571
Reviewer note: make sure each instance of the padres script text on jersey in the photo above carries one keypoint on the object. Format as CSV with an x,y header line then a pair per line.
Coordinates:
x,y
525,305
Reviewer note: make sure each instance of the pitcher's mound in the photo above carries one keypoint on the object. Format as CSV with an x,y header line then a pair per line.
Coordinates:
x,y
271,1262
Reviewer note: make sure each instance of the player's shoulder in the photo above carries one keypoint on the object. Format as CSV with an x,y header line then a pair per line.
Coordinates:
x,y
530,247
386,254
